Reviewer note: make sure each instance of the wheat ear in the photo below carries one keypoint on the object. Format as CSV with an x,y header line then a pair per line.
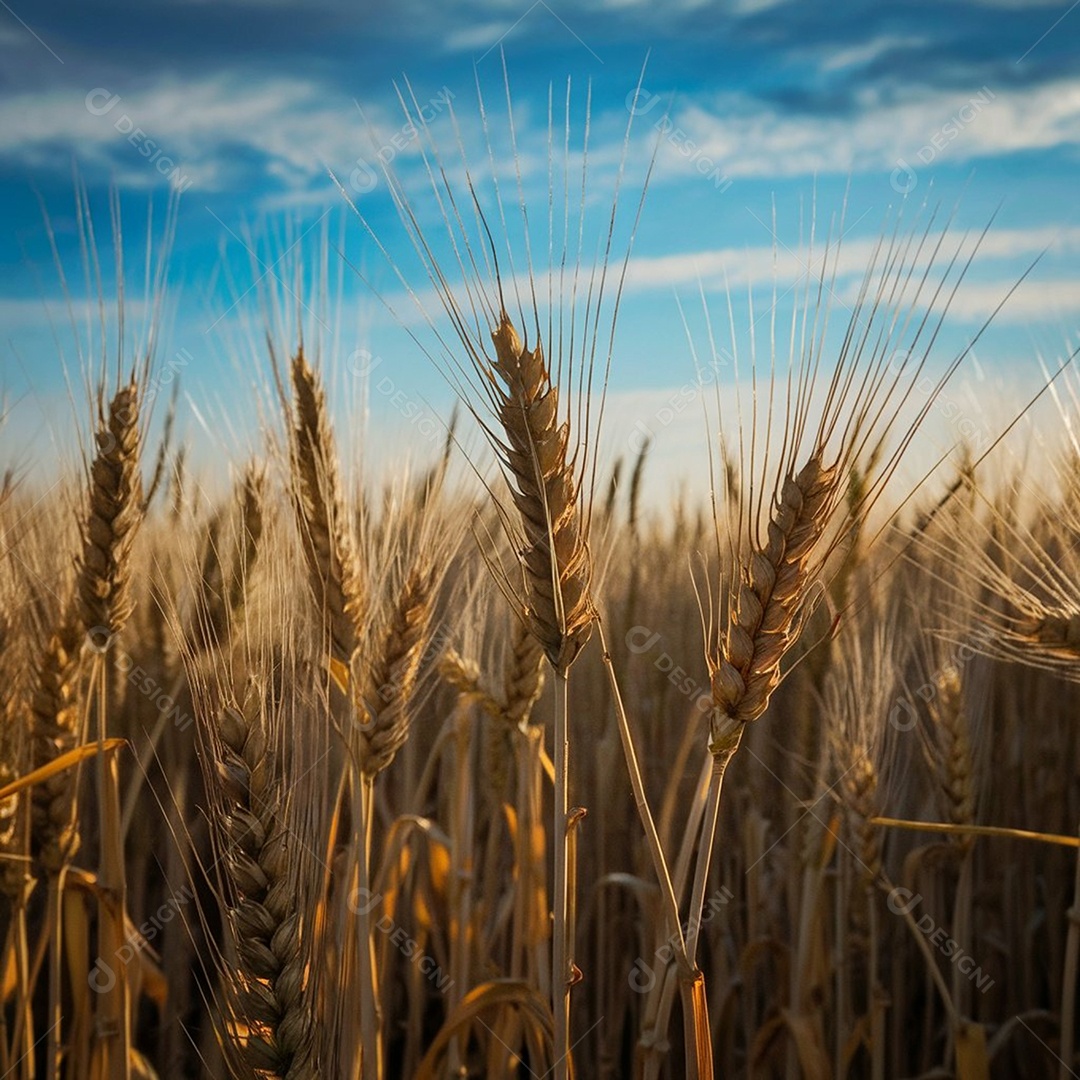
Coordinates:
x,y
320,510
954,764
266,925
251,524
16,813
764,616
391,680
523,681
221,586
557,571
1053,630
210,617
55,723
464,678
554,555
106,603
116,511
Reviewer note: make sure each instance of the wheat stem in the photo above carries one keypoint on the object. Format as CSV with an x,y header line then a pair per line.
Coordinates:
x,y
691,981
1070,977
955,1020
641,802
370,1020
560,946
700,1064
461,854
115,1023
55,907
878,999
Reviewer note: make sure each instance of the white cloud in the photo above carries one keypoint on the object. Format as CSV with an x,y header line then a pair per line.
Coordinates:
x,y
745,138
17,313
865,53
1034,300
470,38
300,127
203,126
753,7
975,407
199,124
713,267
1001,257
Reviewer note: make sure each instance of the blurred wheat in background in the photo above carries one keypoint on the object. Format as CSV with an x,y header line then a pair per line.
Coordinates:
x,y
486,768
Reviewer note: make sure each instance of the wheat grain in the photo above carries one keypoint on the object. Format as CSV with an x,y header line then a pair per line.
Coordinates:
x,y
391,680
250,529
321,516
953,760
763,621
465,678
266,925
55,726
115,514
524,677
555,556
221,584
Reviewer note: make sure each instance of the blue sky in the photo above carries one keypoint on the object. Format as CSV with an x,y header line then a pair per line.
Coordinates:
x,y
753,108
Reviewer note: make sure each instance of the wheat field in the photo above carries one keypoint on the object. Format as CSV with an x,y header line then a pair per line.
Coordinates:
x,y
486,768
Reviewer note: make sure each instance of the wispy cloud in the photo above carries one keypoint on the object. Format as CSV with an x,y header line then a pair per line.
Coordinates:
x,y
292,129
747,138
736,266
865,52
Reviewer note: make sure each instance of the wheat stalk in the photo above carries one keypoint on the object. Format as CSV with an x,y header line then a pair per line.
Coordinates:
x,y
16,845
386,711
856,697
106,602
556,574
533,445
764,602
